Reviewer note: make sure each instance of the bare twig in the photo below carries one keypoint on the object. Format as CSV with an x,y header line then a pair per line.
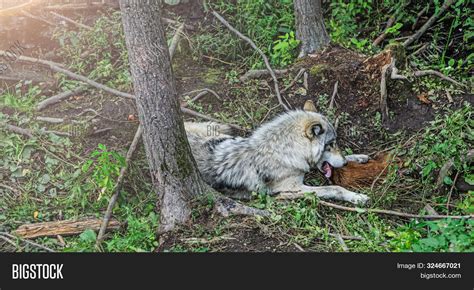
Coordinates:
x,y
347,237
171,21
341,242
175,40
305,80
26,13
422,73
383,91
13,10
418,16
71,21
392,212
18,130
428,23
333,97
227,207
118,185
58,98
50,120
205,117
382,36
265,59
27,242
295,79
451,191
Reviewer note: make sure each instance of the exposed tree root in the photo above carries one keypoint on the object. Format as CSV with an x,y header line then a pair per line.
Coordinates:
x,y
58,98
421,73
69,20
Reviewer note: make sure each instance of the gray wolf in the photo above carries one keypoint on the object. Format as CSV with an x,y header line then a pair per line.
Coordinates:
x,y
274,158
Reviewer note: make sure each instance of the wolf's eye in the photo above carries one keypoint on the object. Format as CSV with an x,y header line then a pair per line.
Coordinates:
x,y
328,146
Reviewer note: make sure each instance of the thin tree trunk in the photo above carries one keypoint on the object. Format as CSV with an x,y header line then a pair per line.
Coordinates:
x,y
175,176
310,29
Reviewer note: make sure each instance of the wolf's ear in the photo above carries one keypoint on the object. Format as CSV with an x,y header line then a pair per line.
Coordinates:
x,y
313,130
309,106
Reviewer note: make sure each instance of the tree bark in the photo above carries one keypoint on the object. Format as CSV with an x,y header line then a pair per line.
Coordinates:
x,y
310,29
174,173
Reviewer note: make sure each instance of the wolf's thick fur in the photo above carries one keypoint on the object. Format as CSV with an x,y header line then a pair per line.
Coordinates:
x,y
273,159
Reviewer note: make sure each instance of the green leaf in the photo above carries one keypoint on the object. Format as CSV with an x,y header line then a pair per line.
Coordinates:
x,y
447,180
88,236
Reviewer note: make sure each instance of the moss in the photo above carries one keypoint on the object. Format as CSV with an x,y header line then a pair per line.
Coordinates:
x,y
212,76
317,69
398,52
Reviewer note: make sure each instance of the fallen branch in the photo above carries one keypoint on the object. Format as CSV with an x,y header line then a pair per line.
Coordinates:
x,y
69,20
47,63
205,117
63,228
428,23
382,36
265,59
50,120
391,212
258,73
26,13
175,40
227,207
13,10
58,68
422,73
333,97
118,185
18,130
58,98
394,74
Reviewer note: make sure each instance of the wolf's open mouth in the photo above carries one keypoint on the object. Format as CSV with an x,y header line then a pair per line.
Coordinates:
x,y
327,169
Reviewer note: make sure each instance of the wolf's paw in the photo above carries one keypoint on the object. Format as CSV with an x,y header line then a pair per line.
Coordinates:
x,y
359,158
358,198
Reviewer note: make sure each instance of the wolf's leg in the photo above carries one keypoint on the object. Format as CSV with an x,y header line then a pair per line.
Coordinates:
x,y
359,158
325,192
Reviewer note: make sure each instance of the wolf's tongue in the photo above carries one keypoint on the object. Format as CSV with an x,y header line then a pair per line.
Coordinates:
x,y
327,170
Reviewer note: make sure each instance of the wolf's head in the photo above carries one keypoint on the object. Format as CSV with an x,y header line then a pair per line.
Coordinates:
x,y
322,135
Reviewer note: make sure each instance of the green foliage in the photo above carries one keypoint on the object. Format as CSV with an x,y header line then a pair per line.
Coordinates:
x,y
140,235
447,138
434,236
284,49
107,165
100,53
262,21
20,100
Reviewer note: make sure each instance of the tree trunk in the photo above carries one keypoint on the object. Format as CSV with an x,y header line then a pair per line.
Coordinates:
x,y
310,29
175,176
